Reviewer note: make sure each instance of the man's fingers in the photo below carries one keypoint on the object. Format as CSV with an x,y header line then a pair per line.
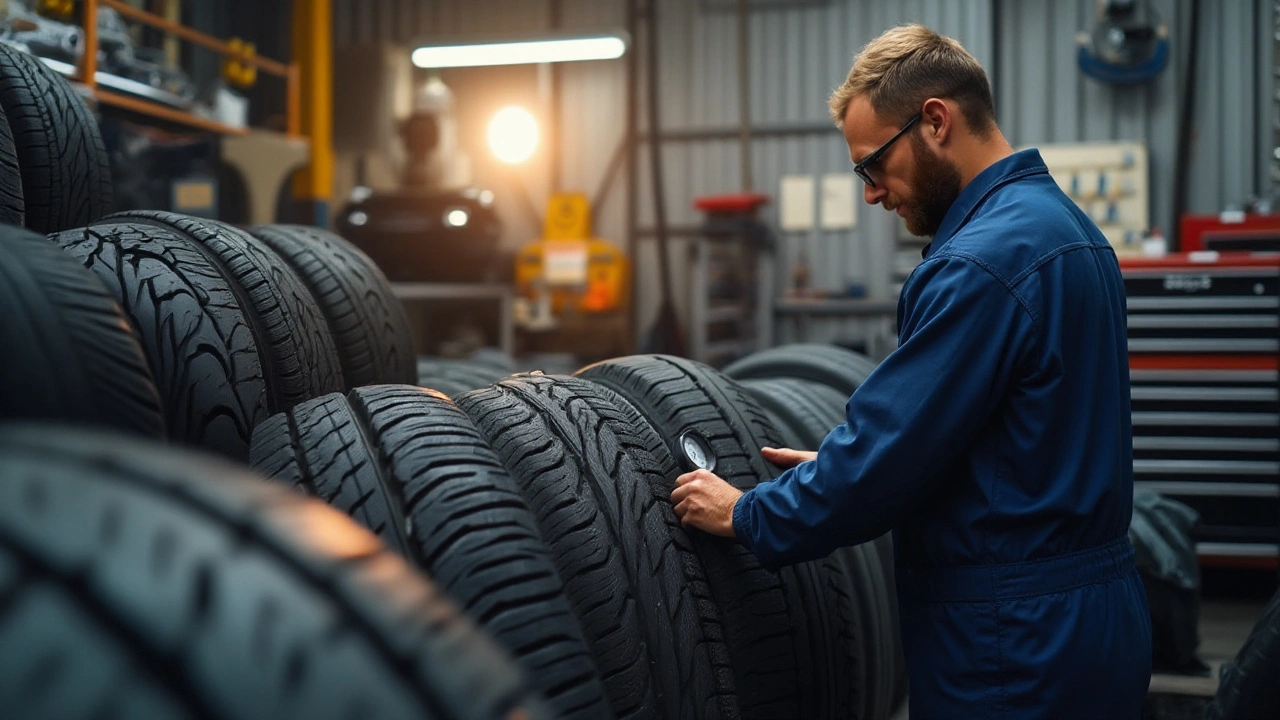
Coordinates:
x,y
679,507
680,493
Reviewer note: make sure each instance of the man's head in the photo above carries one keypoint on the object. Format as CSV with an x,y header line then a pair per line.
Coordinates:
x,y
917,113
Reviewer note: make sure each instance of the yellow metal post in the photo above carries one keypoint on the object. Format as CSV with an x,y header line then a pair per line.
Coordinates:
x,y
172,44
89,61
313,52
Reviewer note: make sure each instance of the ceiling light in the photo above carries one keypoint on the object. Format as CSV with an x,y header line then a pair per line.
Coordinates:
x,y
546,50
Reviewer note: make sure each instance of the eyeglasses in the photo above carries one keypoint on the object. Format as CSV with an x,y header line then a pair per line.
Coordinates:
x,y
860,169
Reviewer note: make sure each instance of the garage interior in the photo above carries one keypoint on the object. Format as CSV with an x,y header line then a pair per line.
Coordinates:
x,y
352,348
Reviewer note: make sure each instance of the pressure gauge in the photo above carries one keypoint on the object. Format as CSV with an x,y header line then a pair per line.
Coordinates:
x,y
696,451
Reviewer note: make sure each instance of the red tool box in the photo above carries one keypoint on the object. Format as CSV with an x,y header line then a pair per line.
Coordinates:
x,y
1204,358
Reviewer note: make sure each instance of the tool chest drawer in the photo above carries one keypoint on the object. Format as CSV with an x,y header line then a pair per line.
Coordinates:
x,y
1204,344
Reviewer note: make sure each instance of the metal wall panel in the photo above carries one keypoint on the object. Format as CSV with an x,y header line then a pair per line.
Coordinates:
x,y
1043,97
799,51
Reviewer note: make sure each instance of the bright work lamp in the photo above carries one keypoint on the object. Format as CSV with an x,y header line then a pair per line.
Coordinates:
x,y
513,135
551,49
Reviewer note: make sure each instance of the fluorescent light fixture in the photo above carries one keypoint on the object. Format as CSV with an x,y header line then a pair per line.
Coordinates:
x,y
445,54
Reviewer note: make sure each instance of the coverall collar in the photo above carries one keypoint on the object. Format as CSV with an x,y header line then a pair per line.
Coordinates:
x,y
1015,167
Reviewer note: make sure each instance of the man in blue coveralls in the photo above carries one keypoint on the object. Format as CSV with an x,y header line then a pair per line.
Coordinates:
x,y
995,441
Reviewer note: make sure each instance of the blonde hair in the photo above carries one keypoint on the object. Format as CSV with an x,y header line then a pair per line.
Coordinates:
x,y
909,64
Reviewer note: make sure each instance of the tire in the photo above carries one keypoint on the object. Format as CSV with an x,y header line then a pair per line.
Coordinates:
x,y
881,675
409,465
66,351
495,358
888,568
11,205
885,658
780,671
1247,687
66,176
811,410
829,365
456,377
299,357
602,504
198,341
367,321
790,438
137,581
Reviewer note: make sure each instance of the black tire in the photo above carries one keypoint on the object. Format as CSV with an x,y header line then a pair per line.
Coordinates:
x,y
830,365
881,673
888,568
366,319
198,341
456,377
11,206
299,357
779,669
408,464
1247,688
811,410
495,358
138,581
66,176
66,352
604,509
790,438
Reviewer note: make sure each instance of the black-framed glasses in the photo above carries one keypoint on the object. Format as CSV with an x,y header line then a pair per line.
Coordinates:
x,y
860,169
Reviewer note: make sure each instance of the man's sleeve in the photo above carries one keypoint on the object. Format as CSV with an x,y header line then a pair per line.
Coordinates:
x,y
963,333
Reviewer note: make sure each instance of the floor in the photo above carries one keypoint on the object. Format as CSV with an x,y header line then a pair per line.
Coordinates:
x,y
1230,607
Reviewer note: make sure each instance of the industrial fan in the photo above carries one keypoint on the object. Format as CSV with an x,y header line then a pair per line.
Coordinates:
x,y
1129,43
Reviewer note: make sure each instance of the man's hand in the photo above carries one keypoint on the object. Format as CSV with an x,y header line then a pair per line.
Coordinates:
x,y
786,457
705,501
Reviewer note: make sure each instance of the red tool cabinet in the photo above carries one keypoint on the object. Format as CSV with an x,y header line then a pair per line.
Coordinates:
x,y
1204,345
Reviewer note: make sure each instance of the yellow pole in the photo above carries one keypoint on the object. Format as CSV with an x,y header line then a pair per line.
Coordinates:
x,y
313,51
89,61
172,44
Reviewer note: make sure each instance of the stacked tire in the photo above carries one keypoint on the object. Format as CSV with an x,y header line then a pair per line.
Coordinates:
x,y
138,580
237,327
144,582
541,505
67,354
803,389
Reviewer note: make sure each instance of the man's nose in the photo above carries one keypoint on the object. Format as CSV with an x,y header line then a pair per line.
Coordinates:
x,y
873,195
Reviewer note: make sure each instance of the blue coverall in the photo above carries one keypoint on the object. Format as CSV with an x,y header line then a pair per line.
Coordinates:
x,y
996,443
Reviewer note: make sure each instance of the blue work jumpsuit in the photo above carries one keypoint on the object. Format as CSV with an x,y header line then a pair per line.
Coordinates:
x,y
996,443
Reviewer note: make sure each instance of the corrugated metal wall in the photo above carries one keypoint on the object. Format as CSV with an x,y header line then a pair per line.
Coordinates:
x,y
799,51
1044,98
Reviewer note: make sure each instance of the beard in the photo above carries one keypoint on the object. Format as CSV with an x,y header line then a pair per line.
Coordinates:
x,y
936,183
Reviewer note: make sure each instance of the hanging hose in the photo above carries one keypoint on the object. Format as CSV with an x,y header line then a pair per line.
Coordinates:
x,y
1186,128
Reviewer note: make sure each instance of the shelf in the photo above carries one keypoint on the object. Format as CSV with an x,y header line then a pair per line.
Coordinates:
x,y
159,104
835,306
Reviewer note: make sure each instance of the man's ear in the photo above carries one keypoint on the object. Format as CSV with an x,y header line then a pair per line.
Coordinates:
x,y
938,121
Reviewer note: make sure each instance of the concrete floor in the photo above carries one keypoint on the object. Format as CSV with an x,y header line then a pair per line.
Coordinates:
x,y
1224,625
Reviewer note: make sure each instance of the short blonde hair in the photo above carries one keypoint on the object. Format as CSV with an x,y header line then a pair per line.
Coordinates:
x,y
909,64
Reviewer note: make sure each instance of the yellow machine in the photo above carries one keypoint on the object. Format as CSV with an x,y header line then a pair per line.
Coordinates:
x,y
580,274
